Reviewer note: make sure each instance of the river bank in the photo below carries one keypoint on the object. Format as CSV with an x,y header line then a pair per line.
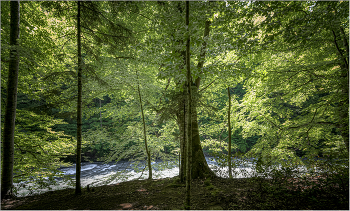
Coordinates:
x,y
99,173
208,194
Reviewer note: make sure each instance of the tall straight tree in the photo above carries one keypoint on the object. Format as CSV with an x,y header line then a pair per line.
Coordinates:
x,y
189,115
229,133
144,132
79,105
200,168
10,113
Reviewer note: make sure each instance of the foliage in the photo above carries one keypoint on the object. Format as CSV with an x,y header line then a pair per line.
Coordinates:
x,y
38,150
286,64
295,98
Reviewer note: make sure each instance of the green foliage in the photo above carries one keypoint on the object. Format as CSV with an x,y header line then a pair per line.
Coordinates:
x,y
296,95
38,150
286,64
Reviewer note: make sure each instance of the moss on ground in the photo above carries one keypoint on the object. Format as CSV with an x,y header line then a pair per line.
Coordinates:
x,y
168,194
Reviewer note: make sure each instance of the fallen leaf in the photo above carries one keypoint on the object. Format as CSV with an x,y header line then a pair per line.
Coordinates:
x,y
126,205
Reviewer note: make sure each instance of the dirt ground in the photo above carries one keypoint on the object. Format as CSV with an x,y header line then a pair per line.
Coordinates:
x,y
169,194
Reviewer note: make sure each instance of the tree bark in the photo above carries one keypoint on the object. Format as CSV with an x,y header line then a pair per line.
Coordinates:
x,y
11,105
343,108
181,122
100,114
203,51
200,168
79,107
229,133
145,135
189,136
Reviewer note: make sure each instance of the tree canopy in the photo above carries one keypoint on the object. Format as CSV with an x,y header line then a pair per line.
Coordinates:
x,y
284,64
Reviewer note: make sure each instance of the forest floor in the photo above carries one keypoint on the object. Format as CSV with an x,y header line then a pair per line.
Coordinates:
x,y
208,194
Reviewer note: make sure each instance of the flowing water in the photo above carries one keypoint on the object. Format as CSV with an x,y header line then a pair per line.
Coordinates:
x,y
97,173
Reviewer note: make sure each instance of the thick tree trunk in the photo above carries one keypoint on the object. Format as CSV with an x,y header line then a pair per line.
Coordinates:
x,y
79,108
200,168
10,113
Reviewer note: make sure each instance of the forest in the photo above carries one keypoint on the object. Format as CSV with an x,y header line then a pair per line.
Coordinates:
x,y
246,101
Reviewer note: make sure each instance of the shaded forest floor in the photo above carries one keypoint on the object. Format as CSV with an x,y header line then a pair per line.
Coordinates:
x,y
209,194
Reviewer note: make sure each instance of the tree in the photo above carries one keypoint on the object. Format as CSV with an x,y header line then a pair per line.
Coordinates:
x,y
144,133
297,98
189,114
79,106
110,34
199,167
172,69
11,104
38,148
229,132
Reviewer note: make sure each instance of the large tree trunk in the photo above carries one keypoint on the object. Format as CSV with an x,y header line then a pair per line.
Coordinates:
x,y
79,108
200,168
10,113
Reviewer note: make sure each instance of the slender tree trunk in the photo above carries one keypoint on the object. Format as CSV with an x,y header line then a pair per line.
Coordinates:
x,y
343,108
181,115
344,112
100,114
229,133
10,113
144,134
189,137
180,158
181,121
79,108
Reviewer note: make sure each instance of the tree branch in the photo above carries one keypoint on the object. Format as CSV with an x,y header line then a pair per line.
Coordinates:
x,y
160,99
100,13
271,122
202,53
124,57
339,51
109,35
206,86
